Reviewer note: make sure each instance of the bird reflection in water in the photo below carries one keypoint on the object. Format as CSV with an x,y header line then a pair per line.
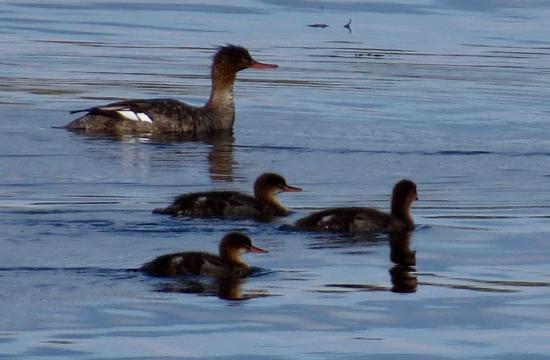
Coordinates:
x,y
402,277
223,288
219,157
220,153
402,272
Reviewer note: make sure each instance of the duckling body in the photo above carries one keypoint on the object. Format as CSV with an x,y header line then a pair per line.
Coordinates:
x,y
232,204
227,265
225,204
363,219
194,263
352,219
168,116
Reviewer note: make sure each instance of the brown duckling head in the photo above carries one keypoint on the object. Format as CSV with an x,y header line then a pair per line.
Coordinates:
x,y
268,185
403,195
234,244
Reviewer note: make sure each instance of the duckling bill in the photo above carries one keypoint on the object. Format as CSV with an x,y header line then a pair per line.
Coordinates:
x,y
232,204
362,219
228,264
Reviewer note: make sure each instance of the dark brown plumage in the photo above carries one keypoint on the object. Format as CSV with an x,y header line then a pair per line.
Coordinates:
x,y
357,219
232,204
172,117
227,265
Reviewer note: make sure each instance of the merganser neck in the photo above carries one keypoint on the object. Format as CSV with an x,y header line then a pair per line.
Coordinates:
x,y
271,199
231,256
403,195
402,214
220,106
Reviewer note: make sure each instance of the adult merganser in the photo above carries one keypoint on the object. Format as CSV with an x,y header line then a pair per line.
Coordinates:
x,y
227,265
357,219
232,204
168,116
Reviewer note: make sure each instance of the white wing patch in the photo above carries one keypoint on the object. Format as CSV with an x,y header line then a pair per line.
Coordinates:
x,y
202,199
135,116
176,260
327,219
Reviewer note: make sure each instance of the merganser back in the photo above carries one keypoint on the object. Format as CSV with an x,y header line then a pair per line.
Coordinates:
x,y
358,219
227,265
232,204
172,117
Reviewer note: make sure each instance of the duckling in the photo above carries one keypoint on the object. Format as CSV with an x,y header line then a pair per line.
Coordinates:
x,y
227,265
358,219
232,204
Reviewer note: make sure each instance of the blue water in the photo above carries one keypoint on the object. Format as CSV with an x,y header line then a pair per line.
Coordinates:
x,y
451,94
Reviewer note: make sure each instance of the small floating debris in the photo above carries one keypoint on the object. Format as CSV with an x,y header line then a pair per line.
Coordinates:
x,y
348,25
322,26
359,55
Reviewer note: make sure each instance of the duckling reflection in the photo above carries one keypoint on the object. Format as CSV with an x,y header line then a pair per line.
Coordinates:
x,y
400,249
223,288
404,258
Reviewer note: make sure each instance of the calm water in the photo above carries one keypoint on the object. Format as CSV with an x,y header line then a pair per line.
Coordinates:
x,y
451,93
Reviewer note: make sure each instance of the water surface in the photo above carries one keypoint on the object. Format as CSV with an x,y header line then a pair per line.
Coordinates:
x,y
452,94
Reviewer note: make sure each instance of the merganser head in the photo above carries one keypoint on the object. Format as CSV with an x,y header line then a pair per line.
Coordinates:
x,y
232,59
270,184
234,244
403,195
